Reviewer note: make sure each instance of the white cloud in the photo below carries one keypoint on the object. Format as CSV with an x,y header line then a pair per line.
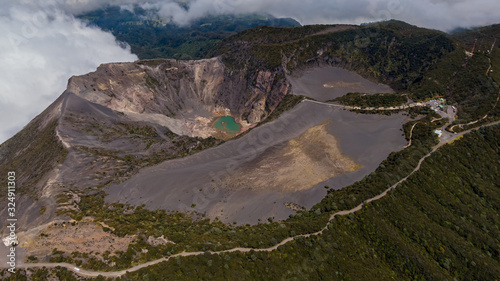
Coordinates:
x,y
437,14
448,14
41,47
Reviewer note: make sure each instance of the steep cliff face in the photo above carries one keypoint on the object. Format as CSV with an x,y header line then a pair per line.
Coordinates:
x,y
184,96
110,123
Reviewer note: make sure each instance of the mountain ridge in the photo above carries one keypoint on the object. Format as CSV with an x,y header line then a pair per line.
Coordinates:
x,y
124,116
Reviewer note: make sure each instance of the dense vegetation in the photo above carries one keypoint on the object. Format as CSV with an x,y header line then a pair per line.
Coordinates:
x,y
421,63
391,52
376,100
464,82
151,36
485,37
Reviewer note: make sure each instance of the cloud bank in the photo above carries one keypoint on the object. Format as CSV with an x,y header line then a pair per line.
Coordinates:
x,y
41,47
437,14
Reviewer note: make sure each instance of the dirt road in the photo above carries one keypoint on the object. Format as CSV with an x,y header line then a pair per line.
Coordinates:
x,y
348,107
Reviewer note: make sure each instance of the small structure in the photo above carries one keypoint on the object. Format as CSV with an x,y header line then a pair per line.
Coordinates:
x,y
438,132
471,53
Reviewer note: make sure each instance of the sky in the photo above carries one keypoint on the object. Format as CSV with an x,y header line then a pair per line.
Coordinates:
x,y
40,49
42,44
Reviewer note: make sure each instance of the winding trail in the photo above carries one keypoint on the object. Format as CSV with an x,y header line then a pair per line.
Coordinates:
x,y
64,104
445,138
452,128
348,107
411,133
489,67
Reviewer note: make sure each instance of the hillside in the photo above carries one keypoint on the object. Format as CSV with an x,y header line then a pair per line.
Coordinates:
x,y
127,148
442,224
392,52
485,37
152,36
111,123
422,63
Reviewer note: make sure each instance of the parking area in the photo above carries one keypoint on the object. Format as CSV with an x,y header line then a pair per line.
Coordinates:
x,y
440,106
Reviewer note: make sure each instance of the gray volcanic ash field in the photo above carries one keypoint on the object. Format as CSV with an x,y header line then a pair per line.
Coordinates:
x,y
208,181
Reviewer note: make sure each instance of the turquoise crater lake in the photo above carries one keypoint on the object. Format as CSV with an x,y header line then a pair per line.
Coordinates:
x,y
227,124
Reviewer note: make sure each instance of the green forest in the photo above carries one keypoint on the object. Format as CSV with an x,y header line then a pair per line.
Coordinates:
x,y
375,100
151,36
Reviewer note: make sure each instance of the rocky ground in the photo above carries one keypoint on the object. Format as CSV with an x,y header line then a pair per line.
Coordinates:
x,y
70,236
